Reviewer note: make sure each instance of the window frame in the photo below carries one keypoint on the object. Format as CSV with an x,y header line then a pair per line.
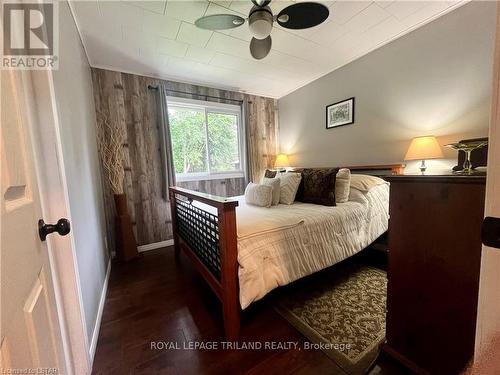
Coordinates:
x,y
213,107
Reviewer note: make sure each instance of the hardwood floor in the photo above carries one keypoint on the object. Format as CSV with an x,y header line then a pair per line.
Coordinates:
x,y
155,300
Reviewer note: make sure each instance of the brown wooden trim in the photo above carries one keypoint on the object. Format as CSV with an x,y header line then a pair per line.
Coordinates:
x,y
457,179
212,200
173,213
229,272
403,360
395,169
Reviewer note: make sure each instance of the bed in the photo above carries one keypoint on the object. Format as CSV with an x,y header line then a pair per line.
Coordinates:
x,y
243,251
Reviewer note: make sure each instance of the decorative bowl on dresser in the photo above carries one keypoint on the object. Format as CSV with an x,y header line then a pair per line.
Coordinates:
x,y
433,270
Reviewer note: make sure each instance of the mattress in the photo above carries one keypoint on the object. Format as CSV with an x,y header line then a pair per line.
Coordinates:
x,y
320,237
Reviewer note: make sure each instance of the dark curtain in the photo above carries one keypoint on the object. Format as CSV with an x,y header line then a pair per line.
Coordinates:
x,y
168,171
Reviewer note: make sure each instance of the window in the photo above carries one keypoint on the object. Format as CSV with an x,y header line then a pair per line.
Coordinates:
x,y
207,139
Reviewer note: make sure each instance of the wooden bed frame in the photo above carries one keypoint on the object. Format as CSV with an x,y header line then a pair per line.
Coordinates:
x,y
209,240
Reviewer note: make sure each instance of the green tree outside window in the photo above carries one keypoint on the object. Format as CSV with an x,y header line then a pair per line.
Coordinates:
x,y
204,144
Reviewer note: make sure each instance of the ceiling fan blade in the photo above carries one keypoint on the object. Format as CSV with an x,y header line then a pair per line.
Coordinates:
x,y
302,15
259,48
219,22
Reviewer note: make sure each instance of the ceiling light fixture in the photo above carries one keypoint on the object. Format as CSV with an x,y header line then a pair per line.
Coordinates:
x,y
260,22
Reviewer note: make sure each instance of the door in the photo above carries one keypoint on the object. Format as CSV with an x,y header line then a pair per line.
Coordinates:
x,y
30,331
487,358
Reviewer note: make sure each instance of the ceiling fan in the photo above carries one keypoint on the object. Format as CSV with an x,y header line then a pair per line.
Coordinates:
x,y
261,19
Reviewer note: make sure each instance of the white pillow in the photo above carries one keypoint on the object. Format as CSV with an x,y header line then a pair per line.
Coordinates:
x,y
342,185
259,195
363,182
275,184
358,196
289,185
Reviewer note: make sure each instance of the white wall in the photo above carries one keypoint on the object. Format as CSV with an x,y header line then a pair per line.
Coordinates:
x,y
76,111
435,80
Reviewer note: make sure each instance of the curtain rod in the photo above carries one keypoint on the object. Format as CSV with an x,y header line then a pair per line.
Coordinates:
x,y
194,94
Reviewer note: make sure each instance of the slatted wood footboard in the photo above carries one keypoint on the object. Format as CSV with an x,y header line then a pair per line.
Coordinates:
x,y
209,240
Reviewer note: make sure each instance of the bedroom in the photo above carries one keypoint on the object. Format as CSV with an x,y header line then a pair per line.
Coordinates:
x,y
223,202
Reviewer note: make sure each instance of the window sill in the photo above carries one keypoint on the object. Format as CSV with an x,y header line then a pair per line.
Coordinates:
x,y
221,176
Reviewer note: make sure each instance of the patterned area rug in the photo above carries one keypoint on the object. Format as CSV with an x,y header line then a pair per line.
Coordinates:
x,y
342,311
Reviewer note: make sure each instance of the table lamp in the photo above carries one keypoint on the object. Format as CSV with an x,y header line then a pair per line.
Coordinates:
x,y
281,162
424,148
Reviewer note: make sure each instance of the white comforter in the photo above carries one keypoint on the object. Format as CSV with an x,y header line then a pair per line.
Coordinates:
x,y
283,243
311,238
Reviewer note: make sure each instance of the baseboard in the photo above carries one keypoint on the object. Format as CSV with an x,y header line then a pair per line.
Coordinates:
x,y
95,334
156,245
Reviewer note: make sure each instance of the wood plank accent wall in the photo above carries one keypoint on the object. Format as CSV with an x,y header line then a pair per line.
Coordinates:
x,y
262,134
126,99
228,187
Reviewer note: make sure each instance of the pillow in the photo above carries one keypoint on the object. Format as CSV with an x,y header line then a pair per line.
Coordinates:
x,y
342,185
358,196
364,182
289,183
270,174
275,184
318,186
259,195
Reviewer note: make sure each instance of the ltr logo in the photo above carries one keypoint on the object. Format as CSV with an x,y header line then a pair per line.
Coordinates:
x,y
28,29
29,35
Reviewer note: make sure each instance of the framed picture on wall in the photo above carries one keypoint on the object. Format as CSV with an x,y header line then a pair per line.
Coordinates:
x,y
340,113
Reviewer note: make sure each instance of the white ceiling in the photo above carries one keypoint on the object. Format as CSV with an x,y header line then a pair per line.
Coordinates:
x,y
159,39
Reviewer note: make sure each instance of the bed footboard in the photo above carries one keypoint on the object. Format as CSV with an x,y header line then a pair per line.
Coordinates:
x,y
208,237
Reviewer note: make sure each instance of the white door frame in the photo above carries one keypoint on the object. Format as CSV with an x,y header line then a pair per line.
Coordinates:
x,y
49,164
488,316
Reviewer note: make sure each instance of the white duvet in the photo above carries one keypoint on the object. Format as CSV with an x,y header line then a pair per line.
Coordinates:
x,y
283,243
303,238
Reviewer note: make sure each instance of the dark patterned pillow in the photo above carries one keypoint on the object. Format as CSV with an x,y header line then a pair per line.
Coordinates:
x,y
318,186
270,174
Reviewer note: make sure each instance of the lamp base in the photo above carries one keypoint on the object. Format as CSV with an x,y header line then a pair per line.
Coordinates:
x,y
423,167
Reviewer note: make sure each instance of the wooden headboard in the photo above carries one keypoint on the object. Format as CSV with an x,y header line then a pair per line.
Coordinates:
x,y
374,170
378,170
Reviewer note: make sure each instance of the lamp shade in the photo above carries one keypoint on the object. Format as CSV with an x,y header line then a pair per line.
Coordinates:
x,y
281,161
423,148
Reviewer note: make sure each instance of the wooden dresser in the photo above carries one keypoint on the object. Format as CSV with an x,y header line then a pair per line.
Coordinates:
x,y
433,270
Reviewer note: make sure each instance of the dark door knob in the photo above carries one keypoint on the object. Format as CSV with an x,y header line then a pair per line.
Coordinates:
x,y
62,227
490,232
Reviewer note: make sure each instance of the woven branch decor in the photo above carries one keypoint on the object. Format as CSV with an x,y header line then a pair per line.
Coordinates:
x,y
110,139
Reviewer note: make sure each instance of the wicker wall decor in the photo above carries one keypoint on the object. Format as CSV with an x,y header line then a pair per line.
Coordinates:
x,y
110,139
